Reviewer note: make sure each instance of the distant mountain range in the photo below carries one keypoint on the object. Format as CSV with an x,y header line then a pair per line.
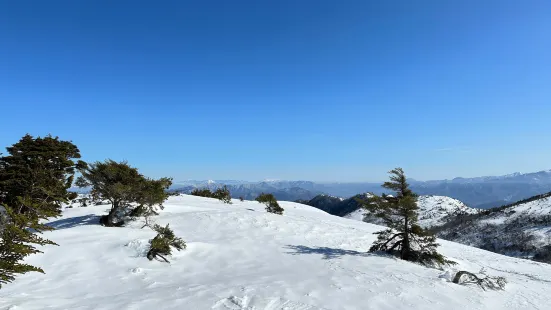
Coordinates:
x,y
480,192
488,192
282,190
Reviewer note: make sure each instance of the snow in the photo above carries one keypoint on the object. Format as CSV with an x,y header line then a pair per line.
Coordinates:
x,y
240,257
534,209
357,215
533,217
433,210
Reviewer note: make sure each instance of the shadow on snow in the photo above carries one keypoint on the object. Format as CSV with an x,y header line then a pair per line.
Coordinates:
x,y
328,253
90,219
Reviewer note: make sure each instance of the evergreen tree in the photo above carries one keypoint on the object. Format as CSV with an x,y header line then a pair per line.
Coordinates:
x,y
271,203
36,175
128,191
223,194
34,182
162,243
399,212
152,193
17,240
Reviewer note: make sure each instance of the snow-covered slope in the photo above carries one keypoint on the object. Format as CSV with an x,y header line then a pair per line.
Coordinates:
x,y
521,229
240,257
436,210
433,210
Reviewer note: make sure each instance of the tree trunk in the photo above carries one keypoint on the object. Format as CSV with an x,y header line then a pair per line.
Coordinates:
x,y
109,220
404,253
111,217
459,274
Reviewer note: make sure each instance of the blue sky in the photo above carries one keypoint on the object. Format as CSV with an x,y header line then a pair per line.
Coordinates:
x,y
312,90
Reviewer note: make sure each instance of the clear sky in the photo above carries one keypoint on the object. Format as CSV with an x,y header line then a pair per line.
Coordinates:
x,y
310,90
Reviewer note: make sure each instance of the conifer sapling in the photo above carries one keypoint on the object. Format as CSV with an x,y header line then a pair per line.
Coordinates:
x,y
399,212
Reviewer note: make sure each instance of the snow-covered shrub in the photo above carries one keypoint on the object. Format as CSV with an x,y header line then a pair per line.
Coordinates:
x,y
128,191
223,194
271,203
162,243
83,201
202,192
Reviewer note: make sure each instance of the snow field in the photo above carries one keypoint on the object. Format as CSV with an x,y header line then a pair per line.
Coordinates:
x,y
240,257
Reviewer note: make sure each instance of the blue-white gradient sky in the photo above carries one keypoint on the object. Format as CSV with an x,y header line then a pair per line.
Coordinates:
x,y
310,90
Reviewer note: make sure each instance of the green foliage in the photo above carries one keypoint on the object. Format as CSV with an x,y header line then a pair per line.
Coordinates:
x,y
399,212
223,194
264,198
163,243
203,192
152,193
271,203
16,243
34,182
36,175
128,191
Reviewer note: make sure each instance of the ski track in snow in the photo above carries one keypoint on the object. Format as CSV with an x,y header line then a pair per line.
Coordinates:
x,y
241,258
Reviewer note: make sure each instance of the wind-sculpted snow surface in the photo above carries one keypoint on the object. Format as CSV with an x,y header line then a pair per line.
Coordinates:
x,y
240,257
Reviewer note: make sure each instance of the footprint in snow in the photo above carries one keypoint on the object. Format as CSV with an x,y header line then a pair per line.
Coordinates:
x,y
255,303
136,270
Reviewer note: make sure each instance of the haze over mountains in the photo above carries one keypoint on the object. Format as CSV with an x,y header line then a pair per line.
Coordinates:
x,y
480,192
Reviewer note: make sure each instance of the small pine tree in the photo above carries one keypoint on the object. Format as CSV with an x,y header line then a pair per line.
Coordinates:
x,y
404,237
128,191
223,194
271,203
162,243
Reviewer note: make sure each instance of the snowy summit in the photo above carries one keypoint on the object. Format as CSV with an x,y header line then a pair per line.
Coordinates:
x,y
241,257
